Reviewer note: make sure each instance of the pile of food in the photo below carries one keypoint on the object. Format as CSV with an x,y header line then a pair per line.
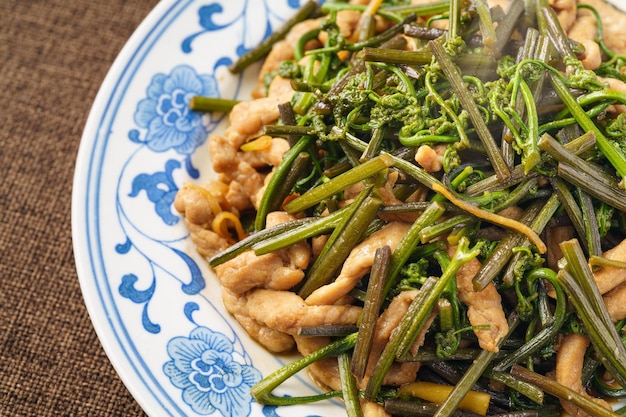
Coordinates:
x,y
427,200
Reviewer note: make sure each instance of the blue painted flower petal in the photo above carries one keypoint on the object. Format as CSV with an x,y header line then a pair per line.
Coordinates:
x,y
199,401
209,85
155,89
179,378
205,14
217,341
183,77
234,402
146,111
161,137
184,351
196,138
250,375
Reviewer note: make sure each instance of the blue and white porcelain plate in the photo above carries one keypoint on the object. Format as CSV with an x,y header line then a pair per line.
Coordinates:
x,y
153,301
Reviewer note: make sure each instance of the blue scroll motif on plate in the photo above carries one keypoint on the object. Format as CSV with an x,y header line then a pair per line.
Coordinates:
x,y
213,373
165,123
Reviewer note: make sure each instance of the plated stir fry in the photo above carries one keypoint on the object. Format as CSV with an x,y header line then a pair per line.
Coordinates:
x,y
427,200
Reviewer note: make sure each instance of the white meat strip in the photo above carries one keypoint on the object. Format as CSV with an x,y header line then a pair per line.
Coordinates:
x,y
279,270
613,22
565,11
609,277
206,241
325,372
615,301
245,171
483,307
358,263
584,30
430,158
401,372
371,409
386,192
247,118
617,85
270,156
286,311
273,340
569,365
284,50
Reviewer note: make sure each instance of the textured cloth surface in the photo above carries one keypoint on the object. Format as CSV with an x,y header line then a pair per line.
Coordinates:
x,y
54,55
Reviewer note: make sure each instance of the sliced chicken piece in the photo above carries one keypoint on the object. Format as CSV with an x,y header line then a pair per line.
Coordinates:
x,y
358,263
279,270
283,50
273,340
615,301
565,11
206,242
400,372
285,311
484,308
609,277
569,366
616,85
430,158
613,22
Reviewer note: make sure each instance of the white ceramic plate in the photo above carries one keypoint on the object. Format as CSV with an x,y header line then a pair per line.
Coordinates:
x,y
155,305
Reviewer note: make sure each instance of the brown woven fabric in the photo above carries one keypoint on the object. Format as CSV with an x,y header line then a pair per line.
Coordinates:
x,y
53,56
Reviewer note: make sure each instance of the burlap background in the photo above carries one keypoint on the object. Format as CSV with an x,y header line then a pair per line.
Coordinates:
x,y
53,56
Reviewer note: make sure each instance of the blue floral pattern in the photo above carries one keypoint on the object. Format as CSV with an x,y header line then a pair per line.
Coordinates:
x,y
204,368
165,111
147,143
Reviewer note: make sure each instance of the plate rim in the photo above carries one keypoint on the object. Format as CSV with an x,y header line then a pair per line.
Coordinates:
x,y
109,91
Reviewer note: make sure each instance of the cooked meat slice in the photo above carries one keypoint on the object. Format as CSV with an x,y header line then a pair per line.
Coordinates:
x,y
430,158
565,11
325,372
283,50
616,85
246,119
569,366
484,308
207,242
269,156
287,312
609,277
613,23
279,270
615,301
358,263
273,340
372,409
584,30
248,271
399,373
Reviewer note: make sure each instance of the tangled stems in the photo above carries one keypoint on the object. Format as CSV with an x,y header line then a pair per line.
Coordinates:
x,y
579,284
547,333
262,391
416,317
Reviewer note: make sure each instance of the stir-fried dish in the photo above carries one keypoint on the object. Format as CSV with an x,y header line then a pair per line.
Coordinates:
x,y
427,200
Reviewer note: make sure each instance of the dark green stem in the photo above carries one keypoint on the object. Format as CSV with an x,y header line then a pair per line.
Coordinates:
x,y
266,45
452,74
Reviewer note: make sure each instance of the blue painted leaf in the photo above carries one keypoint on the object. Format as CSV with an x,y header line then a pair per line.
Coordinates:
x,y
127,289
205,13
148,324
189,309
197,283
123,248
